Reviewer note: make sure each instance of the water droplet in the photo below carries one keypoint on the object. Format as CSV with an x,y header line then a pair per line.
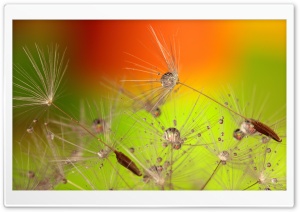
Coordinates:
x,y
131,149
156,112
223,156
268,150
159,169
265,140
30,174
169,80
219,139
175,122
172,135
274,180
50,136
268,164
238,134
167,164
221,121
30,130
99,125
199,134
165,144
248,128
159,159
176,145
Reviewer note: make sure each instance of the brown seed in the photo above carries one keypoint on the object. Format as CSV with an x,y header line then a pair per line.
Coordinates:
x,y
264,129
127,163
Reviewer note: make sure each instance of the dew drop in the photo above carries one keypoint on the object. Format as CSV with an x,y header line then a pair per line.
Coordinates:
x,y
169,80
268,164
223,156
30,130
199,134
159,159
30,174
50,136
265,140
176,145
175,122
274,180
268,150
167,164
131,149
238,134
221,121
172,135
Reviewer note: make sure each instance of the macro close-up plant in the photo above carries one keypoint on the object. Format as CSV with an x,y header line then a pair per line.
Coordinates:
x,y
141,105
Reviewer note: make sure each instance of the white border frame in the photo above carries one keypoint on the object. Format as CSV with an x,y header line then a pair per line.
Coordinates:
x,y
146,198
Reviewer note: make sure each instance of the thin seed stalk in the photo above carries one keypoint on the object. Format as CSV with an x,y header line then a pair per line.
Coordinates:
x,y
260,127
251,185
214,172
121,158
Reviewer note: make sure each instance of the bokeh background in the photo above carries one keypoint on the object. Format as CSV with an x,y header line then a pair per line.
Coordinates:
x,y
247,55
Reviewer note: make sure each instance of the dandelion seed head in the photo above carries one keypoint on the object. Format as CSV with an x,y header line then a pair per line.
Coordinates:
x,y
41,86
